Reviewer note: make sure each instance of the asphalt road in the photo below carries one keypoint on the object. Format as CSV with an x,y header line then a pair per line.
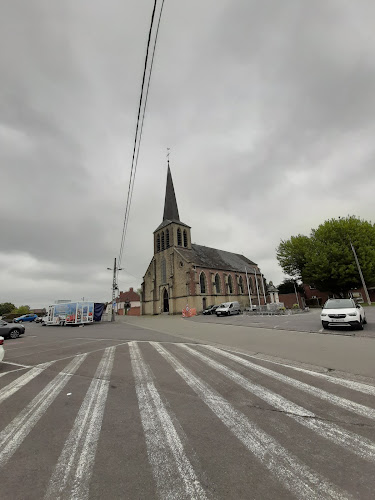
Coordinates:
x,y
133,410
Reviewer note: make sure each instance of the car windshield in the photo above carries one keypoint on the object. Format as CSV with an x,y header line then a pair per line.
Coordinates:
x,y
338,304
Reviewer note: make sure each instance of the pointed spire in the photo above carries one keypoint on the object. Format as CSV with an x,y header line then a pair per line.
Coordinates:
x,y
170,205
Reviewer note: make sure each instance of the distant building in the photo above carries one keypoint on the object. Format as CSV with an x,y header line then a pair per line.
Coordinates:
x,y
130,301
38,311
182,273
315,297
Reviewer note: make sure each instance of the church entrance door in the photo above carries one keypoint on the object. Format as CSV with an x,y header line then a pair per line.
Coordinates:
x,y
165,301
204,300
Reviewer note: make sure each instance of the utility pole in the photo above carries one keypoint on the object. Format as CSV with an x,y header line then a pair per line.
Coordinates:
x,y
360,274
114,287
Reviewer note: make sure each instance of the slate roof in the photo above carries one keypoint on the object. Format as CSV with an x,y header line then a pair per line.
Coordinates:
x,y
167,222
170,204
213,258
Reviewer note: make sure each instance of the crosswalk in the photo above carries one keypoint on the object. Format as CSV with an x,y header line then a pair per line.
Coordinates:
x,y
184,421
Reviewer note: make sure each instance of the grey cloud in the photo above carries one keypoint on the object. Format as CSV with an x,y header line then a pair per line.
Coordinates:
x,y
259,102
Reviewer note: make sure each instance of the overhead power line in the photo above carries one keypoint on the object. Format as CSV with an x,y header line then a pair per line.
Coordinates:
x,y
139,128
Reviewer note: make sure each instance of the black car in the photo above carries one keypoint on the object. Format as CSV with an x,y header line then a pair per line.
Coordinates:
x,y
11,330
210,310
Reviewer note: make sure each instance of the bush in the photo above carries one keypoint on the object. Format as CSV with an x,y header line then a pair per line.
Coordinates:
x,y
295,306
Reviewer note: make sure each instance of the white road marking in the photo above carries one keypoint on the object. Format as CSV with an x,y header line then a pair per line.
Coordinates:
x,y
55,349
16,364
346,404
14,386
298,478
173,472
27,346
353,442
73,471
15,432
350,384
13,371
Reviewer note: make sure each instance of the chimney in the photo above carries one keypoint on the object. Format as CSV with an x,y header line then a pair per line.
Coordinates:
x,y
131,289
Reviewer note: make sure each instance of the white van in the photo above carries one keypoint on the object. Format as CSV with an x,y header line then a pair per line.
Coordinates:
x,y
228,308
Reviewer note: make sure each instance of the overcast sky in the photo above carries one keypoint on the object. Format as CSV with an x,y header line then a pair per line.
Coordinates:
x,y
268,107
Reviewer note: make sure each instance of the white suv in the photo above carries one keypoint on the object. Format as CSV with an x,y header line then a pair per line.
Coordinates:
x,y
343,312
1,349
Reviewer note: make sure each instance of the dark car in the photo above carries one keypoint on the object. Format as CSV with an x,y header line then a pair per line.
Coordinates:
x,y
10,330
25,317
210,310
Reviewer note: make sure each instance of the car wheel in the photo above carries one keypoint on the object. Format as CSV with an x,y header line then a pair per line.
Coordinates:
x,y
365,321
360,324
14,334
325,325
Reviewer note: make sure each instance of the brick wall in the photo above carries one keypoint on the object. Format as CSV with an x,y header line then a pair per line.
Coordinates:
x,y
288,299
134,311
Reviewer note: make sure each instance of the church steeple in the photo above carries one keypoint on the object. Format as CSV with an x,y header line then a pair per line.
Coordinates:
x,y
171,232
170,204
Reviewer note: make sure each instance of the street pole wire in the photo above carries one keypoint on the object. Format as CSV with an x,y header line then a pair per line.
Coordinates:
x,y
137,142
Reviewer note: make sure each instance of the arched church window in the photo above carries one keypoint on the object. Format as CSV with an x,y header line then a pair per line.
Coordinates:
x,y
163,271
230,284
240,285
179,238
162,241
202,282
185,238
158,243
167,238
217,283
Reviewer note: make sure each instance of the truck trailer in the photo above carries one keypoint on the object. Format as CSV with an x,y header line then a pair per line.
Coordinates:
x,y
73,313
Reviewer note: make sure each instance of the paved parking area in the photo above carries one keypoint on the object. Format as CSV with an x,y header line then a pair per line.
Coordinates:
x,y
303,322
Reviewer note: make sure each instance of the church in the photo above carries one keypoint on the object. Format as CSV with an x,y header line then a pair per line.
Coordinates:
x,y
182,273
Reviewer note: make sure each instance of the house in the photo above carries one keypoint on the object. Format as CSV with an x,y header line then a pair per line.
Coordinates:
x,y
182,273
315,297
129,300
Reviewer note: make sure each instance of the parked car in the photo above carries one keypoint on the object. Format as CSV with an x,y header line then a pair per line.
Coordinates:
x,y
228,308
1,349
44,320
343,312
10,330
25,317
210,310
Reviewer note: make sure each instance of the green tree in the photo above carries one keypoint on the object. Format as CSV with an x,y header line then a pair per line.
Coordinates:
x,y
287,286
327,260
22,310
6,308
292,255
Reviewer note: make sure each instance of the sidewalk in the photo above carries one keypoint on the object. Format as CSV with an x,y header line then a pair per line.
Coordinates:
x,y
334,352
